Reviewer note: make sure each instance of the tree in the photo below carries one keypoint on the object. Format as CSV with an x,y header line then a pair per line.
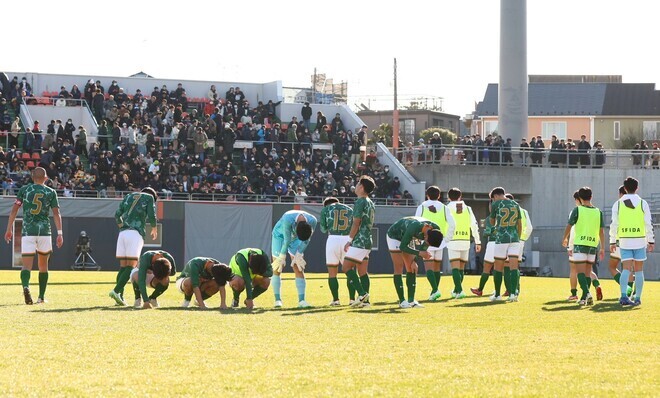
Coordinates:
x,y
383,134
629,139
448,138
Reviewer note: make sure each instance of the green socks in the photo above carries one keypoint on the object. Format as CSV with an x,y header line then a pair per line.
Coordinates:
x,y
355,281
582,281
573,292
123,276
237,295
483,280
497,278
256,292
25,277
617,277
456,276
588,281
158,290
411,283
507,279
595,282
333,283
136,290
398,285
430,275
351,290
365,282
43,281
437,278
514,276
188,297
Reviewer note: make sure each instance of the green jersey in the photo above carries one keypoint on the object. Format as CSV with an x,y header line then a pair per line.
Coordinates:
x,y
408,231
587,222
194,269
146,264
489,231
364,209
507,217
336,219
37,200
239,266
135,210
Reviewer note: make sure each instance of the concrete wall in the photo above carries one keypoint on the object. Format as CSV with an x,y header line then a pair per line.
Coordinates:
x,y
547,194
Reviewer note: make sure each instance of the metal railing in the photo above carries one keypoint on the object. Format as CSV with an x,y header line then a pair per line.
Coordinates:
x,y
526,157
219,197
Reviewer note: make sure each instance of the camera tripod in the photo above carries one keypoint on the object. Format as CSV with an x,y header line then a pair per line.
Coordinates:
x,y
85,261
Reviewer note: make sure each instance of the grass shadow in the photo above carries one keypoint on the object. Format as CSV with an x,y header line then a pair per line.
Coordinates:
x,y
567,307
485,303
610,307
311,310
84,309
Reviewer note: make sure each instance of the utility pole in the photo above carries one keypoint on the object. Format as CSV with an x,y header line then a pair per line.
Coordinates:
x,y
395,115
314,88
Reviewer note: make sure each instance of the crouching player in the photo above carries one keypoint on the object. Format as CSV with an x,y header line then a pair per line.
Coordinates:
x,y
154,269
252,272
401,238
291,234
203,277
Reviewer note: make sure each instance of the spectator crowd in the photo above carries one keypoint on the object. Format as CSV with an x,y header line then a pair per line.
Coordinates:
x,y
178,147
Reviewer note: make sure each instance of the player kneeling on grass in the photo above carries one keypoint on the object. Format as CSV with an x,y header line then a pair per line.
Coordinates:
x,y
401,238
291,234
154,269
203,277
252,273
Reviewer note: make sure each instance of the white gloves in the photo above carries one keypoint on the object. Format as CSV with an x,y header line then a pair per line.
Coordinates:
x,y
299,261
279,263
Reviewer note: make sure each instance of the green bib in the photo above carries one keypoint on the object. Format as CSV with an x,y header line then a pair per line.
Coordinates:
x,y
587,228
523,221
233,264
631,222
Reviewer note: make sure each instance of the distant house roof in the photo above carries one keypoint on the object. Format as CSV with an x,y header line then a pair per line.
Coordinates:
x,y
141,74
581,99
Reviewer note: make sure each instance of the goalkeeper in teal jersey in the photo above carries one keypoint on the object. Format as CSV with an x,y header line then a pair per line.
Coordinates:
x,y
37,201
407,239
135,211
203,277
291,234
154,270
505,217
252,272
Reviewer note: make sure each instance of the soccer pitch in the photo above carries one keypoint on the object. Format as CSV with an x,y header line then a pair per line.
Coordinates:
x,y
80,344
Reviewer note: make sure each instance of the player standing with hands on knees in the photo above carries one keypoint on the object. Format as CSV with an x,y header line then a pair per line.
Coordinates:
x,y
37,200
401,242
135,210
631,223
291,234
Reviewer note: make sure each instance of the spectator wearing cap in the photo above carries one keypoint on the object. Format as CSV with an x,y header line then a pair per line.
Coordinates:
x,y
113,89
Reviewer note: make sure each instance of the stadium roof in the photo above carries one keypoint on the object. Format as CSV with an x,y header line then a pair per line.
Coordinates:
x,y
581,99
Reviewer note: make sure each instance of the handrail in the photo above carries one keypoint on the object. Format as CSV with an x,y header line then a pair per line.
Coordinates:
x,y
522,157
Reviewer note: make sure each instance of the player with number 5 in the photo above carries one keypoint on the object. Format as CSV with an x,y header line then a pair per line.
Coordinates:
x,y
37,200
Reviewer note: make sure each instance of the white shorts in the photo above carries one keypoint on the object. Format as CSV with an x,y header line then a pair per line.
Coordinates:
x,y
436,255
36,244
179,284
462,255
616,254
489,256
129,244
584,257
150,276
506,250
521,248
356,254
393,245
334,249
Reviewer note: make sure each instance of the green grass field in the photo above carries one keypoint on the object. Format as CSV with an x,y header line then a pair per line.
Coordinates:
x,y
79,344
